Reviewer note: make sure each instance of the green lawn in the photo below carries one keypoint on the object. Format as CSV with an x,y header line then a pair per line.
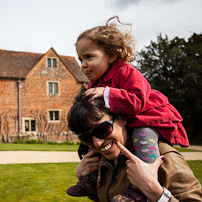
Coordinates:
x,y
196,167
56,147
47,182
187,150
37,182
37,147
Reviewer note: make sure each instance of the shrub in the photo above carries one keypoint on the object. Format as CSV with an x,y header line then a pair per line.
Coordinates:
x,y
29,142
32,141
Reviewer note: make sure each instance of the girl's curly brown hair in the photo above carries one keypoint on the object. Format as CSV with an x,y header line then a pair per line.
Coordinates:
x,y
112,40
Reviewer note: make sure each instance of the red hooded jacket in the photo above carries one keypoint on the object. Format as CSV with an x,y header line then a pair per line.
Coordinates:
x,y
131,94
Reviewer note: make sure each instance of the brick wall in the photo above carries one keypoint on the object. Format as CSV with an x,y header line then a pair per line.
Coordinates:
x,y
34,96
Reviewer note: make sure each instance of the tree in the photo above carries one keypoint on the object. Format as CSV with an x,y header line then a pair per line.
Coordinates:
x,y
174,67
8,126
193,82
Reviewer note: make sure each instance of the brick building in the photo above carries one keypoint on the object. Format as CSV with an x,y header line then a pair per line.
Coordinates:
x,y
36,93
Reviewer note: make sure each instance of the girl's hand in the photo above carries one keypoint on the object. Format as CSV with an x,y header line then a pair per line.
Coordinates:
x,y
143,175
98,91
88,164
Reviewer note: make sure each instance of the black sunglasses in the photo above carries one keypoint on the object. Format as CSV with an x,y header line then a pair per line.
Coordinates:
x,y
100,131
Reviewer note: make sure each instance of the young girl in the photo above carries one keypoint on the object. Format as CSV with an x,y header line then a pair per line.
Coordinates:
x,y
105,53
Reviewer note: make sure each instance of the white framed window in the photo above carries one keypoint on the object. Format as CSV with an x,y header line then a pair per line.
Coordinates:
x,y
29,125
52,62
54,115
53,87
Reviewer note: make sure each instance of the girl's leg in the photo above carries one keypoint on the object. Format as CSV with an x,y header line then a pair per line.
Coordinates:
x,y
145,141
86,186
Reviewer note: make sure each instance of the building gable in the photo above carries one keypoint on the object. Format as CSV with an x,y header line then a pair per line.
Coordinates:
x,y
16,65
36,89
49,66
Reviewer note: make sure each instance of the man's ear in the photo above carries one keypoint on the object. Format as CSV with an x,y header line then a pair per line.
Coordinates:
x,y
122,119
112,56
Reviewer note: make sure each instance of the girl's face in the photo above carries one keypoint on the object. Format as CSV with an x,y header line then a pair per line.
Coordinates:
x,y
94,61
107,146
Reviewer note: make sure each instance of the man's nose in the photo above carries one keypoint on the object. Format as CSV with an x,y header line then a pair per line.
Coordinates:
x,y
97,142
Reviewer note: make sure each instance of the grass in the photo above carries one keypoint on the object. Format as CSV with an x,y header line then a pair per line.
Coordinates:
x,y
55,147
38,147
38,182
196,167
47,182
187,150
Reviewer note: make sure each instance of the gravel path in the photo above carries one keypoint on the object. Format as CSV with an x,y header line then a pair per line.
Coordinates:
x,y
19,157
192,156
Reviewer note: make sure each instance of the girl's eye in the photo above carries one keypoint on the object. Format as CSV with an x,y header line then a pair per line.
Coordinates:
x,y
88,56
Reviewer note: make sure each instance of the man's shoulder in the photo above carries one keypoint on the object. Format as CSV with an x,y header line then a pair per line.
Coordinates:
x,y
165,148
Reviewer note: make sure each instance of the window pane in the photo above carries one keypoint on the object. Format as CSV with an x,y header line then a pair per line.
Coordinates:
x,y
33,125
56,115
27,125
49,62
51,115
56,88
54,62
50,88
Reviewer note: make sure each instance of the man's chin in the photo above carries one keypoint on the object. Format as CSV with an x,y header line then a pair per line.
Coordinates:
x,y
111,156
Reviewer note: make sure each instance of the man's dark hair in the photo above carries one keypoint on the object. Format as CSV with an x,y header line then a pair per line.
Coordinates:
x,y
84,109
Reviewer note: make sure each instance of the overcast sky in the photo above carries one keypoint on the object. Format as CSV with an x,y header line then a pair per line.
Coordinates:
x,y
38,25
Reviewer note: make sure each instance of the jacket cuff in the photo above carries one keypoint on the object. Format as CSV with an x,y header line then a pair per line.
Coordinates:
x,y
106,96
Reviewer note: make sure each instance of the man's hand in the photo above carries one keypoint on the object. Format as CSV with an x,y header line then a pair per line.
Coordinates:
x,y
143,175
88,164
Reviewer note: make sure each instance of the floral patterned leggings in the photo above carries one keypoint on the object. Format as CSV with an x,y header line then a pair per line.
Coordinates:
x,y
145,141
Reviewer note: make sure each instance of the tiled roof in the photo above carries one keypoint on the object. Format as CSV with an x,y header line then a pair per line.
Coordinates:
x,y
75,69
18,64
